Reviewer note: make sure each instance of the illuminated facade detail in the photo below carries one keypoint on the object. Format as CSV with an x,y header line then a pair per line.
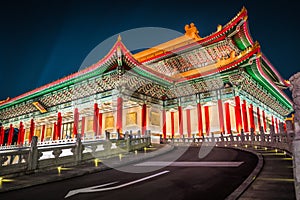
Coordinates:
x,y
186,87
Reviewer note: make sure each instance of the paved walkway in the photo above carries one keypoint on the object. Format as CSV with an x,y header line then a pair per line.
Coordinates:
x,y
275,181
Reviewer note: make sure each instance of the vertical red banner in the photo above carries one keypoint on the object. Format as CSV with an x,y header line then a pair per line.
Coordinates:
x,y
207,122
245,117
228,122
238,114
119,114
221,116
164,121
200,126
172,124
144,118
188,122
180,121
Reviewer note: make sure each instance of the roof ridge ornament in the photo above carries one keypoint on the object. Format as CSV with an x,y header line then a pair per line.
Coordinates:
x,y
119,37
192,31
5,100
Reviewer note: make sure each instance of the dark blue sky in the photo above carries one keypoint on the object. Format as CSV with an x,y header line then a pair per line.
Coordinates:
x,y
42,41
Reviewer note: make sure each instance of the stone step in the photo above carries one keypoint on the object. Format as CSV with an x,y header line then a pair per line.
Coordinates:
x,y
263,195
270,185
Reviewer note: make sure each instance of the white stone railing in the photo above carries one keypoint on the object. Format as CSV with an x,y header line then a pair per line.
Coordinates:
x,y
282,141
36,157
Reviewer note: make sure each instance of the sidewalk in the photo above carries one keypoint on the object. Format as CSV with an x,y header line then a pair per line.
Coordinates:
x,y
275,180
80,170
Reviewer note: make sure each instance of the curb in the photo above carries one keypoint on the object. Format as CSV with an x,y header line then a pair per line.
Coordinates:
x,y
250,179
89,170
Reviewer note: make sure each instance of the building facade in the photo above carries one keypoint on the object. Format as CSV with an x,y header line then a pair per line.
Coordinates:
x,y
186,87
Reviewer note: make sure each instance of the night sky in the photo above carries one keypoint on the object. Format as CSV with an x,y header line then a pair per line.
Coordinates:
x,y
42,41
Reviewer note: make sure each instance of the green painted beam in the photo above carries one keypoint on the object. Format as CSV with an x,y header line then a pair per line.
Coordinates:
x,y
253,71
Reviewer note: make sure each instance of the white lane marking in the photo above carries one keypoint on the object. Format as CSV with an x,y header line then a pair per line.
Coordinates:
x,y
73,192
189,164
93,189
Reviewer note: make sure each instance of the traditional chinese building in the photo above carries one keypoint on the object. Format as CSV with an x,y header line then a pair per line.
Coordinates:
x,y
187,86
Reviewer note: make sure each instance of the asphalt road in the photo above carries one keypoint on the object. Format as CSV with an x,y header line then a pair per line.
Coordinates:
x,y
188,178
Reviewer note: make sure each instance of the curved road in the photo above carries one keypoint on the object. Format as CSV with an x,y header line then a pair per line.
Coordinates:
x,y
213,177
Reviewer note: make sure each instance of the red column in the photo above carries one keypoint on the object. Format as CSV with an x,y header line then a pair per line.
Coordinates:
x,y
227,113
82,126
172,124
258,118
276,122
164,118
23,136
95,119
273,122
54,131
1,135
221,116
119,113
10,135
238,114
59,125
199,112
284,127
31,130
207,122
144,118
99,124
180,121
43,132
252,125
264,120
245,117
188,122
20,133
76,120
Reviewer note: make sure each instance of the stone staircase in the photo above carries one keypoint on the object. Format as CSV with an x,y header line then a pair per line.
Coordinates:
x,y
276,180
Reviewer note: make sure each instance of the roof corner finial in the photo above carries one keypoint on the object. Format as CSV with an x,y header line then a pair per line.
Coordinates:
x,y
256,44
243,9
192,31
119,37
